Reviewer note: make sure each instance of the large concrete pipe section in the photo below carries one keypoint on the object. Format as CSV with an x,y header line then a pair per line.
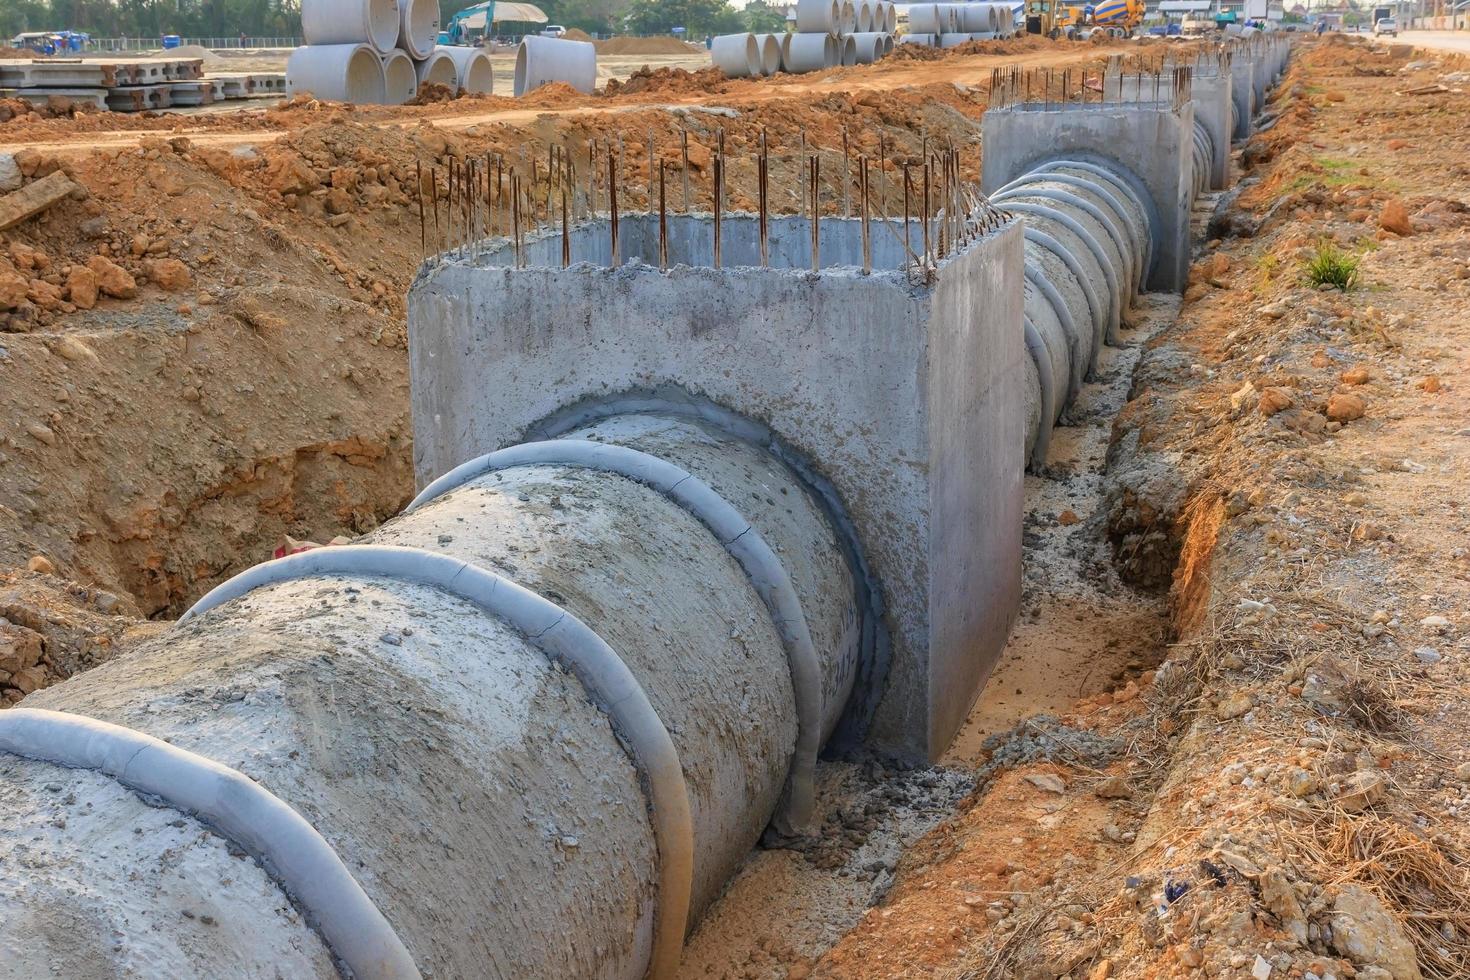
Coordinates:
x,y
542,60
870,47
1087,248
438,69
526,729
810,52
737,55
770,49
418,27
473,72
818,16
400,79
375,23
339,72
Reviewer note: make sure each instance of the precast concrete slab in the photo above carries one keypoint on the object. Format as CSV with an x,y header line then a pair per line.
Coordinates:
x,y
96,97
138,98
897,394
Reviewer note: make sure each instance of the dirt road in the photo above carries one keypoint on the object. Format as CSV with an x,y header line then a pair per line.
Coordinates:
x,y
1455,42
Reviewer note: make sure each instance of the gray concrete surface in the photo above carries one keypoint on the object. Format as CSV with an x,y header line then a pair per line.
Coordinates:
x,y
902,396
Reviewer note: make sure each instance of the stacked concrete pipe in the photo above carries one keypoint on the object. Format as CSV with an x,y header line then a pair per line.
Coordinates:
x,y
848,25
948,25
344,36
573,663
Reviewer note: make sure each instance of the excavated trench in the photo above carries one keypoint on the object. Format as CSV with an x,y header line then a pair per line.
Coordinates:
x,y
648,814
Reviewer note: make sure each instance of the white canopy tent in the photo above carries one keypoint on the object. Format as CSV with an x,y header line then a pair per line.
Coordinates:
x,y
499,11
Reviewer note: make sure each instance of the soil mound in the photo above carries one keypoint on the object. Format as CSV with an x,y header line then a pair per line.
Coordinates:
x,y
573,34
645,45
668,81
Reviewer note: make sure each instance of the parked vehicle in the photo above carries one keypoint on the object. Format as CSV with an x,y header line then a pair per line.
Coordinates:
x,y
1386,25
553,30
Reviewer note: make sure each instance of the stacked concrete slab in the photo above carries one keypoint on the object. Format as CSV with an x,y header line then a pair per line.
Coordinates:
x,y
133,85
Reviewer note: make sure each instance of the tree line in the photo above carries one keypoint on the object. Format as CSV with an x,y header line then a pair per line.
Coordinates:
x,y
282,18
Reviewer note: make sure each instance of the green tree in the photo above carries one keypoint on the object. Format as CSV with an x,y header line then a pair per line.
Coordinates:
x,y
698,17
764,18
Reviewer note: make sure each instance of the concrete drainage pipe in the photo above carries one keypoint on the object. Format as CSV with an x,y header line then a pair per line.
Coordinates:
x,y
737,55
848,47
338,72
868,48
817,16
418,27
399,78
924,40
979,18
810,52
770,49
540,718
371,22
953,40
472,70
1203,155
890,18
928,18
541,60
1088,245
439,69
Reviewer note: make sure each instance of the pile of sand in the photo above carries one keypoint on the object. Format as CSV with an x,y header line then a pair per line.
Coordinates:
x,y
646,45
573,34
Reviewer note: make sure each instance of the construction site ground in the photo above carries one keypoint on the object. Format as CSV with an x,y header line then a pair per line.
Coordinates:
x,y
1229,735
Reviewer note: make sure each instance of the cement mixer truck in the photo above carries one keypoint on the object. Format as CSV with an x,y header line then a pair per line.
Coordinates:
x,y
1124,14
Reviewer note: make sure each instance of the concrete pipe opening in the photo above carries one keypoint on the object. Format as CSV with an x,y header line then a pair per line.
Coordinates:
x,y
849,51
869,47
847,18
371,22
890,18
770,53
438,69
542,60
399,78
817,17
737,55
472,69
418,27
338,72
809,52
865,13
887,44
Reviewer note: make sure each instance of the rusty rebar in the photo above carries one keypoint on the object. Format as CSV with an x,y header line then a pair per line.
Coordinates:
x,y
612,206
